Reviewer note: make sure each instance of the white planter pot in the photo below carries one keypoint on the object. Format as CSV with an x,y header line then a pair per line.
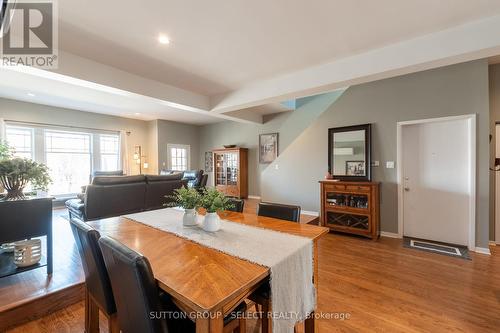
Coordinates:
x,y
189,217
211,222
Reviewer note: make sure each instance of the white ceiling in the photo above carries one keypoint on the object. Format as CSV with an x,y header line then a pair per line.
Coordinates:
x,y
238,59
92,98
221,45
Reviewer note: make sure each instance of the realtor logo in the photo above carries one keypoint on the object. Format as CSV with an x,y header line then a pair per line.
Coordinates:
x,y
29,34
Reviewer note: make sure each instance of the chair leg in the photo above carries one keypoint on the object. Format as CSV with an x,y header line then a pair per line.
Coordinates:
x,y
87,311
91,315
113,324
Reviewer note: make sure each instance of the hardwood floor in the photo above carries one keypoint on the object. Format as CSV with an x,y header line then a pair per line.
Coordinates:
x,y
382,286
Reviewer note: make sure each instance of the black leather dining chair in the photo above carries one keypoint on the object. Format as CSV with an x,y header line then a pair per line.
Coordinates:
x,y
98,293
279,211
237,205
261,296
137,295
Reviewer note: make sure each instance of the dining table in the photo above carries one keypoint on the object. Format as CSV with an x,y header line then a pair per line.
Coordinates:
x,y
200,279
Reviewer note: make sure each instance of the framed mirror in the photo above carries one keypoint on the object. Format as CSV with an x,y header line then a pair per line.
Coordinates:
x,y
349,152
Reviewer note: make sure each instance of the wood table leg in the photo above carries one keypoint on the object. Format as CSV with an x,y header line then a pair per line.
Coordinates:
x,y
202,325
217,323
310,324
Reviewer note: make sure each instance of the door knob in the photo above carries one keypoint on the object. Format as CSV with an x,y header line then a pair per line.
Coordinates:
x,y
407,189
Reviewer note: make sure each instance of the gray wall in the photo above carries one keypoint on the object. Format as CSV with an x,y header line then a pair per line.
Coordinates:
x,y
177,133
454,90
288,124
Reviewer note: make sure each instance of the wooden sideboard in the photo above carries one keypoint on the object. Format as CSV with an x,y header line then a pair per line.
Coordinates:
x,y
231,171
351,207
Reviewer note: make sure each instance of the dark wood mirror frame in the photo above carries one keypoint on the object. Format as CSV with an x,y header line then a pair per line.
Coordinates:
x,y
368,161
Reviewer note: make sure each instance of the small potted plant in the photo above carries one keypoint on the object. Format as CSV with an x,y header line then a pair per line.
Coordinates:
x,y
16,173
189,199
213,201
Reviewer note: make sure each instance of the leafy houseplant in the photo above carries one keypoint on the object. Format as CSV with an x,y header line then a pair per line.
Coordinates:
x,y
189,199
213,201
16,173
5,151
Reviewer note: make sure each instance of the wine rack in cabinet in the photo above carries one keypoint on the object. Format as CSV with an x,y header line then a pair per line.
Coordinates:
x,y
351,207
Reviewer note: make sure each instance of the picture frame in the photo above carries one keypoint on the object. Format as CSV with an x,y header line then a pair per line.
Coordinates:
x,y
355,168
268,147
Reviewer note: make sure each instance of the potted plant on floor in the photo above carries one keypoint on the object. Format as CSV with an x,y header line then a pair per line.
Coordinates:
x,y
16,173
213,201
189,199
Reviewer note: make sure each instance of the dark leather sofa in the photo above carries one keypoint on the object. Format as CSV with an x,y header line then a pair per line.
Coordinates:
x,y
114,196
195,178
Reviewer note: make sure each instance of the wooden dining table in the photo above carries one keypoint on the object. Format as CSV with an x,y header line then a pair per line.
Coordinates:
x,y
200,279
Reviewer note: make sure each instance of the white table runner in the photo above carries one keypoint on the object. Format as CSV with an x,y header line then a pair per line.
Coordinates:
x,y
289,257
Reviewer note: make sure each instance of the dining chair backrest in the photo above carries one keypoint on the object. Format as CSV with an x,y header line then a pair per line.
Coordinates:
x,y
96,276
279,211
238,205
134,286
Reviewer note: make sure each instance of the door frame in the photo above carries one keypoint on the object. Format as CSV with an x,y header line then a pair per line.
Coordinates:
x,y
497,192
472,180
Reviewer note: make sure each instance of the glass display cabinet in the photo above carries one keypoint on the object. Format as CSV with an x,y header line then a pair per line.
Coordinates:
x,y
231,172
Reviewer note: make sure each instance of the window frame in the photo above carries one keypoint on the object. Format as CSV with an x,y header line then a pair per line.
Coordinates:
x,y
178,146
32,130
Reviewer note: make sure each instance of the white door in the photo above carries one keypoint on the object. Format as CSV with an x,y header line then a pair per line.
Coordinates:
x,y
436,173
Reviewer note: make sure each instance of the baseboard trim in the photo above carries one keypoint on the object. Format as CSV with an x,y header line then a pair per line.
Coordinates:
x,y
389,234
254,197
482,250
310,212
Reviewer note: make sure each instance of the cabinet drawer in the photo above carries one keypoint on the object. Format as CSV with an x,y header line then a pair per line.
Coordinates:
x,y
333,187
359,188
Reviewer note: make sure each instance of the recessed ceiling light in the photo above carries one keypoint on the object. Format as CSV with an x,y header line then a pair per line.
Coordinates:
x,y
31,95
137,113
163,39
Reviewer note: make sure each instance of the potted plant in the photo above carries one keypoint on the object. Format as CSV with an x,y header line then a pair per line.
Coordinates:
x,y
16,173
5,153
189,199
213,201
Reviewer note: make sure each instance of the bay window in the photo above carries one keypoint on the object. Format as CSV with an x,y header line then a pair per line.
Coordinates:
x,y
70,154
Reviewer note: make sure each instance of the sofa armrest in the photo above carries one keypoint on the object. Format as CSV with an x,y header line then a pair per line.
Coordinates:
x,y
76,207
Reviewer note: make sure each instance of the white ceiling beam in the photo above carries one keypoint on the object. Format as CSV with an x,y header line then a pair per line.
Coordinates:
x,y
74,66
82,72
471,41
